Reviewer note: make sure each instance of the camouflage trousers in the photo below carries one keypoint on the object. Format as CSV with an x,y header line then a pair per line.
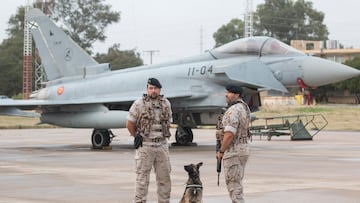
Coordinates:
x,y
234,168
147,157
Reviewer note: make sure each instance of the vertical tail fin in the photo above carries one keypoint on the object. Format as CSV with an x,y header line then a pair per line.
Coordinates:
x,y
60,55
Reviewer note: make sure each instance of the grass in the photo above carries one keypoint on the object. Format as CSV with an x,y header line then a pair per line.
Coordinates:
x,y
14,122
339,117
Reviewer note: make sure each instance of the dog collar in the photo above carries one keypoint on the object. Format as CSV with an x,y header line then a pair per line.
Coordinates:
x,y
194,186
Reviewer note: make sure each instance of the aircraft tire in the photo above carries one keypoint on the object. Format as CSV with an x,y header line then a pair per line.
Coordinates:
x,y
100,138
184,136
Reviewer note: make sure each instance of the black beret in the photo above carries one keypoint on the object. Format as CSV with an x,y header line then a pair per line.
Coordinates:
x,y
234,89
155,82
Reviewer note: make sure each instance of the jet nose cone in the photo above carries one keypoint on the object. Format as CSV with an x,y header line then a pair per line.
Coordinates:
x,y
318,72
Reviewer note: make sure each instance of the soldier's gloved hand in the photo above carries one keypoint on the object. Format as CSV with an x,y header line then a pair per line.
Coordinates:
x,y
138,141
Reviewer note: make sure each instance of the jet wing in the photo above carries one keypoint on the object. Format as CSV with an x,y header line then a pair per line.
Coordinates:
x,y
251,74
118,98
12,107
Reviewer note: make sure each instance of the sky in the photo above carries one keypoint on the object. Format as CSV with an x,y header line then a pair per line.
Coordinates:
x,y
173,29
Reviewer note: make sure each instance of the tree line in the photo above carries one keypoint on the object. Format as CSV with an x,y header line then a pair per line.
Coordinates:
x,y
85,22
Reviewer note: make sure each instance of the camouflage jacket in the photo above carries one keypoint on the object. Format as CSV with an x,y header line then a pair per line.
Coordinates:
x,y
152,116
235,119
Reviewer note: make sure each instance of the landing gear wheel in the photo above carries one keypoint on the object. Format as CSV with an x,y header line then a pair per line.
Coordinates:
x,y
184,135
100,138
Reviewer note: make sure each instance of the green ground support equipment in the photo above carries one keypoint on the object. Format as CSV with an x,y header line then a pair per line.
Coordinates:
x,y
298,127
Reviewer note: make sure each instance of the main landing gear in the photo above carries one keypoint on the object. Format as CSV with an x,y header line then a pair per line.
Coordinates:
x,y
101,138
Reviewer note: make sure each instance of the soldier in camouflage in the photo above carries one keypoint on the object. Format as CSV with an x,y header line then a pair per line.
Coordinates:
x,y
150,116
233,133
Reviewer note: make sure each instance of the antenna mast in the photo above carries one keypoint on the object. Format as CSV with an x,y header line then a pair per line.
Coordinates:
x,y
27,58
151,52
248,31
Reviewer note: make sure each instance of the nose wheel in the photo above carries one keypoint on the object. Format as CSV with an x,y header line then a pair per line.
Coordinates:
x,y
184,136
100,138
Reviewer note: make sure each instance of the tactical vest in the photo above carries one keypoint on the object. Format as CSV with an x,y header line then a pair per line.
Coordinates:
x,y
245,134
220,127
148,122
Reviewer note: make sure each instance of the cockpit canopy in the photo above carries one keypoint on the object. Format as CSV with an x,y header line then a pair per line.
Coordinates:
x,y
260,46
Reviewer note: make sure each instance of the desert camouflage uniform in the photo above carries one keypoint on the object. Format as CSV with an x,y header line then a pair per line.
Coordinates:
x,y
236,120
152,118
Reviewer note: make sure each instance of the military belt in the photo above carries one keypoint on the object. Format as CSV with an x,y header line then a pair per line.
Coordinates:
x,y
152,144
158,139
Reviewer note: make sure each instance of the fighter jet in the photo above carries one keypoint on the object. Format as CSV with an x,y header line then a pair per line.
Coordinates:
x,y
81,93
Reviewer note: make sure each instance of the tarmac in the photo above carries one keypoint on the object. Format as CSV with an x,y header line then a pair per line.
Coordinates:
x,y
58,165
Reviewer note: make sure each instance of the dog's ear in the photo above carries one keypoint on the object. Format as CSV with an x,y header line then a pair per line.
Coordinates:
x,y
188,168
199,164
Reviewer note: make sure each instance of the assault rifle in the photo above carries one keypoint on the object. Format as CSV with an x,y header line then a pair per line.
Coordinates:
x,y
218,165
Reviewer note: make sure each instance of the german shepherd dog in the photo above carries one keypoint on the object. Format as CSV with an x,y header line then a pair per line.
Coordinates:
x,y
194,190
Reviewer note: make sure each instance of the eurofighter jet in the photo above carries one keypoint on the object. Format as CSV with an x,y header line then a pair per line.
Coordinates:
x,y
81,93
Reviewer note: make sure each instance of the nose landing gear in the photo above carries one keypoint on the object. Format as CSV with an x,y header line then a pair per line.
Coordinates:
x,y
101,138
184,136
